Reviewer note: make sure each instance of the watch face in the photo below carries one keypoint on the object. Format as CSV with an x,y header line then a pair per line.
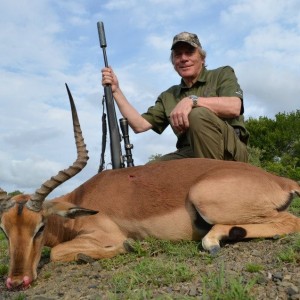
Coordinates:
x,y
194,99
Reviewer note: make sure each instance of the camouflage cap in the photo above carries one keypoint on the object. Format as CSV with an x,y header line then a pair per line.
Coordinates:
x,y
186,37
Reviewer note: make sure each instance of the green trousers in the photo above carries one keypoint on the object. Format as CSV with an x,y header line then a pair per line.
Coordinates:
x,y
210,137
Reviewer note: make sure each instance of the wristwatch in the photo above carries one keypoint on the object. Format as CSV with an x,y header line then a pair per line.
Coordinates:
x,y
194,98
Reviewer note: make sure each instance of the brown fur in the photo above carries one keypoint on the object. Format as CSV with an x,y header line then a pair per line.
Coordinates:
x,y
167,200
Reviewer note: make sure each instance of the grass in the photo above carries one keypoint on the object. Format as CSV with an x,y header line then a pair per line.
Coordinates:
x,y
3,254
295,207
20,297
218,287
288,255
3,269
155,273
3,245
254,268
291,252
167,265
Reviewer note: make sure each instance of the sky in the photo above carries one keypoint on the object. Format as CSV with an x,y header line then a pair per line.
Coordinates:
x,y
47,43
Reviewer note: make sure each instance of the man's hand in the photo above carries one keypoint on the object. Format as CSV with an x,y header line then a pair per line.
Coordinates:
x,y
179,116
109,78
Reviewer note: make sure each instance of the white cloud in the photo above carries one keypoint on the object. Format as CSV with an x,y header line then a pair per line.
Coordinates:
x,y
159,42
256,12
273,89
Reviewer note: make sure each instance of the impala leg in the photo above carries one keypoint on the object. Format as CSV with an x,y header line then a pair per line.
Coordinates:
x,y
106,248
283,223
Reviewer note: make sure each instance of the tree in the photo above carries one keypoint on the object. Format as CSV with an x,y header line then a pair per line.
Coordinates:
x,y
154,157
279,142
14,193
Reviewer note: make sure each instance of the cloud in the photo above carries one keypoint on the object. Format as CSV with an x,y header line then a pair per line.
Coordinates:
x,y
29,39
159,42
269,88
257,13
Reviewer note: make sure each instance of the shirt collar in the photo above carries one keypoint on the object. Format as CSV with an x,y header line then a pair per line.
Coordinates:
x,y
201,79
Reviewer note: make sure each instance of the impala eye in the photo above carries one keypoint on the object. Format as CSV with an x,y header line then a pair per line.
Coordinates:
x,y
40,231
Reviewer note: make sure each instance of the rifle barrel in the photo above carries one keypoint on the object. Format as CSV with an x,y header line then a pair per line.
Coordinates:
x,y
114,132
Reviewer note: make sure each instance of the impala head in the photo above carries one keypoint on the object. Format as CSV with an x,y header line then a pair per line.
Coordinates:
x,y
23,217
25,232
23,229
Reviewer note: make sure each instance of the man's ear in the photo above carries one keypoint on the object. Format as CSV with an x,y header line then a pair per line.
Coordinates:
x,y
66,210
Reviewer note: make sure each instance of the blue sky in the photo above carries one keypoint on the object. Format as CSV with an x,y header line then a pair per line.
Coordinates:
x,y
44,44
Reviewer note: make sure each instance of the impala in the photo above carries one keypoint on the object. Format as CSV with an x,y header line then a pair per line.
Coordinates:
x,y
187,199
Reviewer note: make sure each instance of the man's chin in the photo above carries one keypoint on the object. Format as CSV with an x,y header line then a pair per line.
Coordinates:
x,y
185,73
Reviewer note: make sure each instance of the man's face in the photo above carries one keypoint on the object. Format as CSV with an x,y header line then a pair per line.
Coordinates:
x,y
187,61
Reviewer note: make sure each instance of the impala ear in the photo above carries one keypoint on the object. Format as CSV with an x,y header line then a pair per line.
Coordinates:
x,y
76,212
66,210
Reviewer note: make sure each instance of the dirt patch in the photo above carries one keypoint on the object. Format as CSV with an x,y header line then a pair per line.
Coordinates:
x,y
274,279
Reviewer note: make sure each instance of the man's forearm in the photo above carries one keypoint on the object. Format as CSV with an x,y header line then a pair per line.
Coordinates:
x,y
135,120
226,107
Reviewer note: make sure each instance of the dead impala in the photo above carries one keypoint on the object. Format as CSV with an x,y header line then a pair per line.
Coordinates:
x,y
188,199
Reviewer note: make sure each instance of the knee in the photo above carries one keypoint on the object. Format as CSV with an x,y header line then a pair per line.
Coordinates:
x,y
200,116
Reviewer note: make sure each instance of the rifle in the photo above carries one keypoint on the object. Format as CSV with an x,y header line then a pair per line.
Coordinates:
x,y
115,136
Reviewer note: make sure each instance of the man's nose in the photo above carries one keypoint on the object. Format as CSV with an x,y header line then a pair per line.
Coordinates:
x,y
184,57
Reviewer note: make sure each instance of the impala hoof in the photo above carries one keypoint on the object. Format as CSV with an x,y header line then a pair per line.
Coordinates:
x,y
213,251
83,258
128,245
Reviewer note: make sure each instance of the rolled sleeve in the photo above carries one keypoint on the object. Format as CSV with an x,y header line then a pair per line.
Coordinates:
x,y
156,116
228,84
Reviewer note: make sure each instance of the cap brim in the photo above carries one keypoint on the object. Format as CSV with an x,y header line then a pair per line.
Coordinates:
x,y
180,41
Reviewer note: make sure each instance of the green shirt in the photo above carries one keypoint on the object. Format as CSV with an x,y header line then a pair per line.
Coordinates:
x,y
211,83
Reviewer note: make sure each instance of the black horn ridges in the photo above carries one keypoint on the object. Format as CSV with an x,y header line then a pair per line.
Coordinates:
x,y
37,199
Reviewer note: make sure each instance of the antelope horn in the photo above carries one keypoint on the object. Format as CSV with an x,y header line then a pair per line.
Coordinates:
x,y
5,202
37,199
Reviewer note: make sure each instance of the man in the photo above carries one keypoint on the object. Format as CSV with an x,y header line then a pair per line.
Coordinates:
x,y
205,110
